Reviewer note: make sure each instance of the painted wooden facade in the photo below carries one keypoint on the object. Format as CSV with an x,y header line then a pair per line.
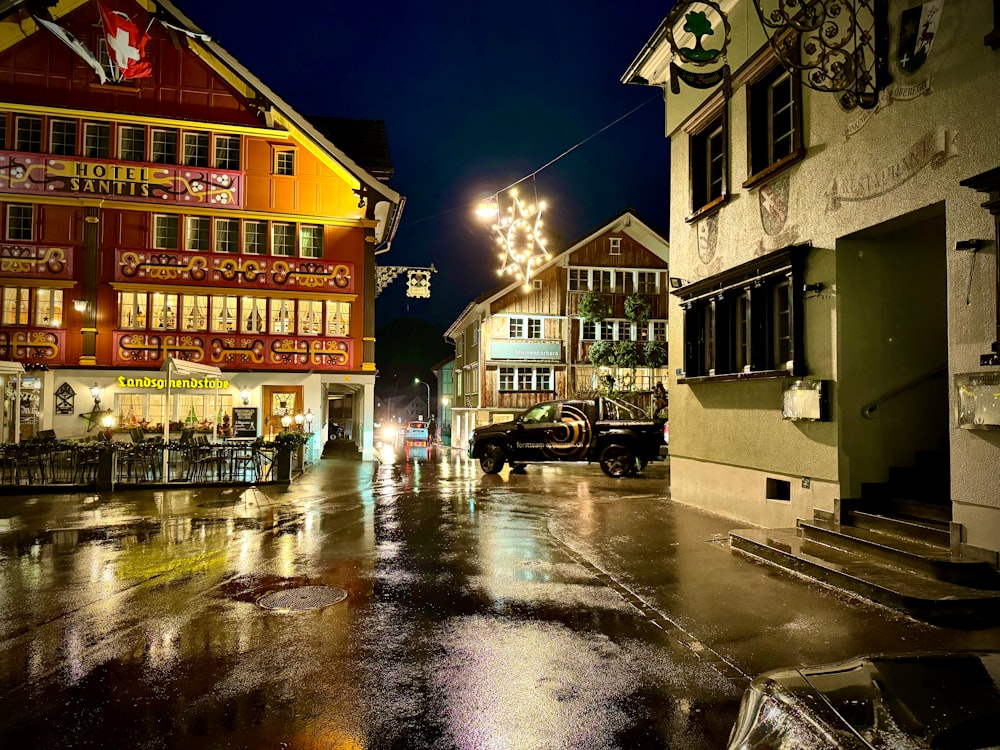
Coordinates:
x,y
516,347
191,214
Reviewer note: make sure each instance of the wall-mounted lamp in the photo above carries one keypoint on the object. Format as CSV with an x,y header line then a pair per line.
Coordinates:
x,y
245,395
812,288
80,305
95,392
286,421
309,420
677,283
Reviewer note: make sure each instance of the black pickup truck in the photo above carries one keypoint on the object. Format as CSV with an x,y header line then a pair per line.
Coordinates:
x,y
616,434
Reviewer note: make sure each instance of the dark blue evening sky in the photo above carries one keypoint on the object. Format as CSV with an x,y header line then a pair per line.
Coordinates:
x,y
474,97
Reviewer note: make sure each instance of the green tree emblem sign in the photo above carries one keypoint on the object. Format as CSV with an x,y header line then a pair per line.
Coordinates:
x,y
697,23
700,19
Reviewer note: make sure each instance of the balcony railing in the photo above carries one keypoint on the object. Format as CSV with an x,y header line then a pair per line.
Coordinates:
x,y
36,260
616,302
232,349
42,345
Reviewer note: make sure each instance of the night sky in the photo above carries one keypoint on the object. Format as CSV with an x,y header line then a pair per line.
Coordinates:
x,y
474,97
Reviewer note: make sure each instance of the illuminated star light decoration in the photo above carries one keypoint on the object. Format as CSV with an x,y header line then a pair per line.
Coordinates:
x,y
519,236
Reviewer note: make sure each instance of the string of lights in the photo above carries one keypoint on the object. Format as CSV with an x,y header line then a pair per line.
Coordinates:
x,y
518,228
531,175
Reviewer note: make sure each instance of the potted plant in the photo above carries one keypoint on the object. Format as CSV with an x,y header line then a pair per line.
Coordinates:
x,y
593,307
600,353
285,443
655,353
638,309
626,354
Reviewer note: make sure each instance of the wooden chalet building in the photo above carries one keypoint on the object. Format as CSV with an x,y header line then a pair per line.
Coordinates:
x,y
186,215
514,348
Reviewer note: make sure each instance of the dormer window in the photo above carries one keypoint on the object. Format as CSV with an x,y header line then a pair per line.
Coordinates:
x,y
284,161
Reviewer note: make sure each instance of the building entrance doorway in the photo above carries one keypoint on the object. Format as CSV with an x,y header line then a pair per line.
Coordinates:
x,y
278,402
892,353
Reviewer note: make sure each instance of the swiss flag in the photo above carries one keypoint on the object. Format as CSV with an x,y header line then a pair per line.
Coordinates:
x,y
126,44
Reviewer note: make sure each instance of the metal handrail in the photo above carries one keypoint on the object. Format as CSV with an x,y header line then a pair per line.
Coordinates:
x,y
868,411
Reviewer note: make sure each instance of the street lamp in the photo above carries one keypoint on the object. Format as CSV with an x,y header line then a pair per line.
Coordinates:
x,y
309,421
286,420
299,419
418,380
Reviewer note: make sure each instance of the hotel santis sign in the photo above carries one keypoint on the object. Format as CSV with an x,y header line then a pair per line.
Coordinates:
x,y
58,175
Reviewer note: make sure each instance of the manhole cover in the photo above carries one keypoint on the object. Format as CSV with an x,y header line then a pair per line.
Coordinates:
x,y
302,597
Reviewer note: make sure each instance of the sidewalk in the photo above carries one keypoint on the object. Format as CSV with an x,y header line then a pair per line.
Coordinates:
x,y
43,508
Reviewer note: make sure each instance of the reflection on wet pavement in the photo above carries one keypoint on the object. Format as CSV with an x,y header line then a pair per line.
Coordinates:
x,y
556,608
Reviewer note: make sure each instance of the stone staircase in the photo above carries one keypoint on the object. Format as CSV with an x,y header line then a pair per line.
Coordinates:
x,y
892,546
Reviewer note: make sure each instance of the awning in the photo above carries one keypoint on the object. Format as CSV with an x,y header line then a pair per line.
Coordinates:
x,y
182,368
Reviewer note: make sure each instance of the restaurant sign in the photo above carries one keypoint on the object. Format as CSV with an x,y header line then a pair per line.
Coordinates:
x,y
528,350
245,421
32,173
159,384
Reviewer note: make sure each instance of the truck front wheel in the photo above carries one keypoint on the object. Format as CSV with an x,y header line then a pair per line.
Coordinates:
x,y
618,461
492,459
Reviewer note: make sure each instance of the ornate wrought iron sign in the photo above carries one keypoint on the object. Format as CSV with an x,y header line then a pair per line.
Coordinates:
x,y
418,279
841,46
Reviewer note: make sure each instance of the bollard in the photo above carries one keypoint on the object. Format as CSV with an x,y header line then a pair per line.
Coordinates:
x,y
106,469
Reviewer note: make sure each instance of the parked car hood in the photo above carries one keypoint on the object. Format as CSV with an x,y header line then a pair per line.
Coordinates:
x,y
926,700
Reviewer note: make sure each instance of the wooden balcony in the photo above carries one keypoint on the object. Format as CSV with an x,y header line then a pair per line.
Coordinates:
x,y
233,350
657,304
43,345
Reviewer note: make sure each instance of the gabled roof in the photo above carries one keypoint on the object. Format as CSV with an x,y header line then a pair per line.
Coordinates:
x,y
627,222
651,67
441,364
280,105
469,308
365,141
277,112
